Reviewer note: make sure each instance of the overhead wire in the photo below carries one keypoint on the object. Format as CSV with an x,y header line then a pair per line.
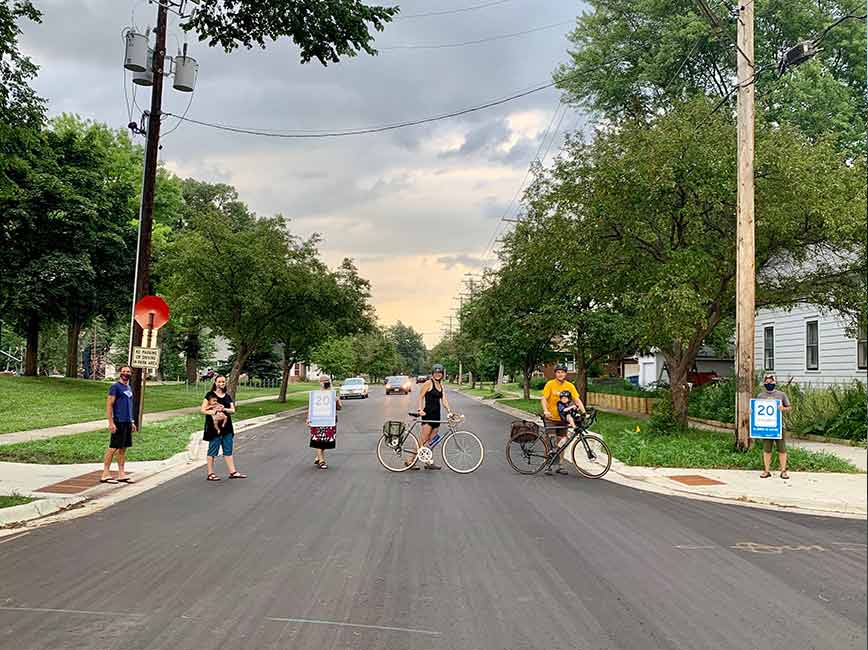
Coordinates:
x,y
500,37
448,12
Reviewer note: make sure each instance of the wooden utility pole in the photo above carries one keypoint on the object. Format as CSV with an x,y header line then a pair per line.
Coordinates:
x,y
146,210
745,284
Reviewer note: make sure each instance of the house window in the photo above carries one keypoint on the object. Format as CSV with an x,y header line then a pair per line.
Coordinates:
x,y
769,348
862,347
812,345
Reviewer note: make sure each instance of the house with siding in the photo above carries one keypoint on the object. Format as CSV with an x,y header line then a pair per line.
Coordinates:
x,y
809,346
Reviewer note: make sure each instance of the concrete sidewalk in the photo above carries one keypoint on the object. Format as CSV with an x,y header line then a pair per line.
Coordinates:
x,y
823,493
96,425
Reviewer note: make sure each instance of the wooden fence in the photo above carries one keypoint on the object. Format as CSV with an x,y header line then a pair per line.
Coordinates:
x,y
628,403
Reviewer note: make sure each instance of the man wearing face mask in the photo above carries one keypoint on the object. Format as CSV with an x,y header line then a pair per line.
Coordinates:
x,y
119,411
769,384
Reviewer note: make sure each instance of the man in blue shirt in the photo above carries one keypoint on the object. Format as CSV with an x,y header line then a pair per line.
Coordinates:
x,y
119,413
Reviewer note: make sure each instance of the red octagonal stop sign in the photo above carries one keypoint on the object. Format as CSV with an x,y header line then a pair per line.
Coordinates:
x,y
152,305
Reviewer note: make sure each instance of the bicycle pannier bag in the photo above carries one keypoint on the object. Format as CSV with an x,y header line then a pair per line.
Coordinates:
x,y
523,431
393,428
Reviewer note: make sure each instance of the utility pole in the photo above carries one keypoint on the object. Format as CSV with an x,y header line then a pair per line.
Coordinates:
x,y
745,283
146,209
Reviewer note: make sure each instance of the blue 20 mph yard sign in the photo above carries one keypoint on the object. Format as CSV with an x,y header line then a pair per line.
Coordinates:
x,y
765,418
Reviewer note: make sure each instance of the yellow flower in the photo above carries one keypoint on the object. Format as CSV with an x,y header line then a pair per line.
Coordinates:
x,y
638,430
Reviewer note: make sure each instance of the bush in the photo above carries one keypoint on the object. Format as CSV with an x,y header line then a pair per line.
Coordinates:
x,y
617,386
663,421
836,412
715,401
538,383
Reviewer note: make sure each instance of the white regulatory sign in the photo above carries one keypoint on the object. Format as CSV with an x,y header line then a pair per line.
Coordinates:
x,y
146,358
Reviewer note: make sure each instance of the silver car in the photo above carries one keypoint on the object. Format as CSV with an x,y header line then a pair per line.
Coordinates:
x,y
354,387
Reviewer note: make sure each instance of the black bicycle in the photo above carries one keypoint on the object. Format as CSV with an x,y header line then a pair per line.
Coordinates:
x,y
530,450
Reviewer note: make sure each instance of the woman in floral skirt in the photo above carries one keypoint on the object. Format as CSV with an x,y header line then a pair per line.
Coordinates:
x,y
322,438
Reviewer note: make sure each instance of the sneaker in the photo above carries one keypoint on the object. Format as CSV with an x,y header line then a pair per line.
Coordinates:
x,y
548,471
433,466
561,470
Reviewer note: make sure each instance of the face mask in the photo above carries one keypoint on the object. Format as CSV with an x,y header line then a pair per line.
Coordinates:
x,y
327,384
769,386
125,375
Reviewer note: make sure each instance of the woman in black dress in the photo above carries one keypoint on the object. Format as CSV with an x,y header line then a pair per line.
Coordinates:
x,y
224,436
433,392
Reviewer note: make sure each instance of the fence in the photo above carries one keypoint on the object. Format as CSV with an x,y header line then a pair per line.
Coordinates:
x,y
628,403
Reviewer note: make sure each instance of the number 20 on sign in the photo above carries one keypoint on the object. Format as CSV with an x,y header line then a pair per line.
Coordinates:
x,y
765,418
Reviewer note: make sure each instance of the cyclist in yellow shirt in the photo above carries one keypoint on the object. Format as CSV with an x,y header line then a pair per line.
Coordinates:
x,y
549,400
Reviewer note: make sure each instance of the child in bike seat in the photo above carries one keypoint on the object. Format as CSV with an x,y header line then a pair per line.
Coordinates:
x,y
567,409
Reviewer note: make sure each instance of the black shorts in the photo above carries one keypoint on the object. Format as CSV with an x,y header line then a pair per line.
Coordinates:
x,y
123,437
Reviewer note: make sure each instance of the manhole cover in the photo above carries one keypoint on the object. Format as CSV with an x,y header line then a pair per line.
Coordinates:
x,y
695,479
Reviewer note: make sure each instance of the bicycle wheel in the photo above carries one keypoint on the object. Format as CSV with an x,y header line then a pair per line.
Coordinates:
x,y
463,452
591,456
397,455
528,453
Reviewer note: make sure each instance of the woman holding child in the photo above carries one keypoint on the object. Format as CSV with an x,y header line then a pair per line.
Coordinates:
x,y
218,408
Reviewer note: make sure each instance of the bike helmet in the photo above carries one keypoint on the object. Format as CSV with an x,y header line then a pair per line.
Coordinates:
x,y
437,368
565,393
560,366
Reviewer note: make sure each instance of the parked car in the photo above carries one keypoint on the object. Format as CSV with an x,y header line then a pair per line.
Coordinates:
x,y
354,387
398,384
421,379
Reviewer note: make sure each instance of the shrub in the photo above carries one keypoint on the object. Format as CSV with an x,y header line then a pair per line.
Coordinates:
x,y
663,421
836,412
714,401
538,383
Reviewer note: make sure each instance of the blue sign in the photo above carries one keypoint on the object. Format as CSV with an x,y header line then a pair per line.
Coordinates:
x,y
322,408
765,419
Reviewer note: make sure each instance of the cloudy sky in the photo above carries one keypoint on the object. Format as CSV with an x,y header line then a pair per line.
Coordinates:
x,y
416,208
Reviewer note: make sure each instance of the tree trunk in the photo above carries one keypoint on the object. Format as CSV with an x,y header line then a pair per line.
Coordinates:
x,y
191,356
73,331
680,390
287,366
472,381
240,359
526,382
31,355
582,377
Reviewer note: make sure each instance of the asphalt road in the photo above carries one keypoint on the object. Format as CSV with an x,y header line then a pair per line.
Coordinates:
x,y
356,557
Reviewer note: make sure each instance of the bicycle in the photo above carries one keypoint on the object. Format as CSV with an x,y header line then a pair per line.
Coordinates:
x,y
529,451
398,448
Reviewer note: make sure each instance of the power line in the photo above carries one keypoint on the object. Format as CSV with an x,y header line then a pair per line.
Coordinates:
x,y
500,37
448,12
362,131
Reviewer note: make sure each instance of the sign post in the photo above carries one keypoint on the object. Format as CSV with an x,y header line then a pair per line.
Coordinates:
x,y
765,419
322,408
151,313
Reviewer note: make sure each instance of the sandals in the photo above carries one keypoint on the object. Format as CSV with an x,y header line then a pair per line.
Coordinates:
x,y
765,474
322,465
561,470
111,480
212,477
784,475
126,479
240,475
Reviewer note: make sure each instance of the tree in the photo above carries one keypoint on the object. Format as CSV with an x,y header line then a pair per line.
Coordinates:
x,y
375,355
657,200
334,356
323,29
232,276
410,346
638,58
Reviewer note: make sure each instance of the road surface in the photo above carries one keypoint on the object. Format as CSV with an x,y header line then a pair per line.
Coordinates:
x,y
356,557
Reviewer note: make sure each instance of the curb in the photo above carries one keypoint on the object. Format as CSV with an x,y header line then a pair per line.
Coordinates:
x,y
625,475
10,517
193,456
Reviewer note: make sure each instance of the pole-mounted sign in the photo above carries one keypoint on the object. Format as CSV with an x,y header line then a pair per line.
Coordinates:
x,y
151,313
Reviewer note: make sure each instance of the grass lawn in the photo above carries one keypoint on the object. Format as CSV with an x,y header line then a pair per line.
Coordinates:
x,y
696,448
158,441
38,402
14,500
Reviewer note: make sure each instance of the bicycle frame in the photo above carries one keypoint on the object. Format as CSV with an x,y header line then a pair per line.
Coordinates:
x,y
572,434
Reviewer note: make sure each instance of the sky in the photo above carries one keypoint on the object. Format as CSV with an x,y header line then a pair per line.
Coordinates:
x,y
416,208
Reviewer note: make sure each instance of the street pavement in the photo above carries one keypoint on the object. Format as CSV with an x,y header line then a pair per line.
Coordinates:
x,y
356,557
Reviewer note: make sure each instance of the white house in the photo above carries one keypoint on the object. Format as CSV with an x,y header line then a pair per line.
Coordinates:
x,y
651,368
809,346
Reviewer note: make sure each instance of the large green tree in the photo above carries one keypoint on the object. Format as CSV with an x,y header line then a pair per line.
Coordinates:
x,y
410,346
375,355
638,58
232,277
657,201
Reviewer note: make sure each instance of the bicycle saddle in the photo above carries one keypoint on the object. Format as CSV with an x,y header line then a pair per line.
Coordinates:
x,y
413,414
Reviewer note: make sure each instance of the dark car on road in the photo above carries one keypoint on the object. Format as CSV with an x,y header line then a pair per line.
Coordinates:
x,y
421,379
398,384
